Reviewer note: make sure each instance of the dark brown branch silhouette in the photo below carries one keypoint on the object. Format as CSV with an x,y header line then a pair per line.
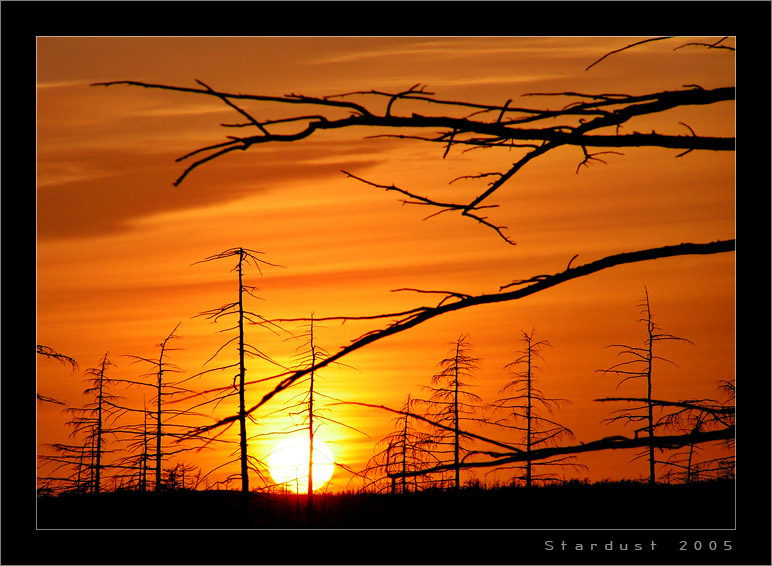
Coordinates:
x,y
48,352
514,454
413,317
625,48
609,443
484,126
714,45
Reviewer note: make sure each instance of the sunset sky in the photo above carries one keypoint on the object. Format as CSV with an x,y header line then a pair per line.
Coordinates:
x,y
116,241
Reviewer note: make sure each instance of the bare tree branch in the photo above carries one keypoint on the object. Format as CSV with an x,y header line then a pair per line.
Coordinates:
x,y
626,47
487,126
416,316
609,443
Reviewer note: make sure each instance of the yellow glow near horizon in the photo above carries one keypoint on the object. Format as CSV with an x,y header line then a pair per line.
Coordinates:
x,y
288,463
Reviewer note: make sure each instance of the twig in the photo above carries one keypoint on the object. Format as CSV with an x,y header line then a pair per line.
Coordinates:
x,y
626,48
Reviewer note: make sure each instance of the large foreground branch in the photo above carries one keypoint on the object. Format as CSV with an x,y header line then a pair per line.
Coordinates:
x,y
610,443
419,315
594,121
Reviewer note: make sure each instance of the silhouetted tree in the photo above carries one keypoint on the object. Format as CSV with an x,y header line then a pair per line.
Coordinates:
x,y
144,457
303,407
166,391
407,449
694,416
310,407
69,468
244,349
93,420
638,365
523,405
452,404
307,408
181,476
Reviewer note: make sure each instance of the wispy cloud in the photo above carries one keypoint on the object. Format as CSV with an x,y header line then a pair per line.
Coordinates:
x,y
61,84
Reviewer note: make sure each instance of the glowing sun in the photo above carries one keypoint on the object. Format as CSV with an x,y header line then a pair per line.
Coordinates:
x,y
288,463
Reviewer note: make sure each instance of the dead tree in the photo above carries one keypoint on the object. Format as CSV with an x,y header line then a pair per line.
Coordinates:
x,y
638,365
408,448
68,468
452,404
80,466
523,405
93,420
181,477
244,350
694,416
306,406
166,391
310,408
303,407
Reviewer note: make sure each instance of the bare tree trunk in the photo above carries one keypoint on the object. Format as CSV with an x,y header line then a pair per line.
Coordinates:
x,y
92,469
689,464
80,468
158,454
650,406
311,428
404,451
143,463
242,375
528,416
456,431
243,316
99,428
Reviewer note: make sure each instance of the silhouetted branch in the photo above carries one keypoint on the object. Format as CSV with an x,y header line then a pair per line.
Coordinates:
x,y
53,354
45,399
416,316
714,45
626,47
436,424
609,443
486,126
714,409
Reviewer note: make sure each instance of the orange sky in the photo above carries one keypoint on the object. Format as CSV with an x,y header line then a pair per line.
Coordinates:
x,y
116,240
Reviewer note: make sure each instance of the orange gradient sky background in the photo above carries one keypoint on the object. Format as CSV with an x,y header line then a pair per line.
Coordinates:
x,y
115,239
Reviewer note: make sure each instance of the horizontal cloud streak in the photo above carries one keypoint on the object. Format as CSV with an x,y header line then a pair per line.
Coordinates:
x,y
81,202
